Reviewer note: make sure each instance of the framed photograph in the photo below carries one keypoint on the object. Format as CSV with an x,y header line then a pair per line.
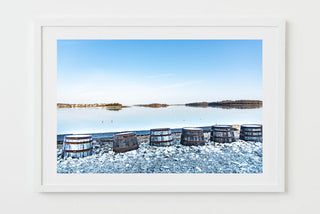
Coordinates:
x,y
159,105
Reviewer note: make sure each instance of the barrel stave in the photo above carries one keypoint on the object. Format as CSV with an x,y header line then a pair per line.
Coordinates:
x,y
161,137
77,146
222,134
192,137
251,132
124,142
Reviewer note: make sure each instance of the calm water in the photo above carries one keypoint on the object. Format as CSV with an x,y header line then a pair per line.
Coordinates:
x,y
98,120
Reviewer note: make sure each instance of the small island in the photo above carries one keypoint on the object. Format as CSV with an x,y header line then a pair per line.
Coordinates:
x,y
109,106
229,104
153,105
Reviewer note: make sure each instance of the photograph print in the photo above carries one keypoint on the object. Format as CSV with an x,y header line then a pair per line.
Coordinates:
x,y
159,106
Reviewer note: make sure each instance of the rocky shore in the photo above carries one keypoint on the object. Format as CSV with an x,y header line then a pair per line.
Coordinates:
x,y
236,157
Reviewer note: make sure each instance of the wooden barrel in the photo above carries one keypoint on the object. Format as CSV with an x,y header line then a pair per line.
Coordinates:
x,y
124,142
222,134
77,146
251,132
192,137
160,137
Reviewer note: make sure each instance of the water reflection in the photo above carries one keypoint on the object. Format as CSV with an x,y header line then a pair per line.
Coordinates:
x,y
96,120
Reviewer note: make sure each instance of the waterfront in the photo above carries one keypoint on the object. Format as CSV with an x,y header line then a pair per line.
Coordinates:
x,y
238,157
102,120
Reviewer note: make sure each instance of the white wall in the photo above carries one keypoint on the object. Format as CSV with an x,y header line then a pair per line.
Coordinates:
x,y
303,33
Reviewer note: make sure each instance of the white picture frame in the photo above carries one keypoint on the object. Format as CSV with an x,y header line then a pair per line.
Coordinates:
x,y
272,32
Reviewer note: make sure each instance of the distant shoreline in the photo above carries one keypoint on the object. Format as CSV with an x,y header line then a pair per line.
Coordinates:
x,y
238,104
228,104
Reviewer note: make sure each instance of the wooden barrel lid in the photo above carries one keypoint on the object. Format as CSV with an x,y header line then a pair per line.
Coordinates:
x,y
222,126
193,129
160,129
160,135
124,134
77,137
251,126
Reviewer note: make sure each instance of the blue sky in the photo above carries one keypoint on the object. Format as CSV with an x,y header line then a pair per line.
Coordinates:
x,y
163,71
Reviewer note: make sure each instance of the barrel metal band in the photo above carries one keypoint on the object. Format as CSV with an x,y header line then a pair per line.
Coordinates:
x,y
125,148
251,127
191,130
125,138
162,135
251,135
190,141
78,142
167,141
252,131
77,151
215,130
193,135
223,137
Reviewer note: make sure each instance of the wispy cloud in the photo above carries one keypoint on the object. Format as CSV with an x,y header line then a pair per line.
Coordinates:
x,y
159,76
181,84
